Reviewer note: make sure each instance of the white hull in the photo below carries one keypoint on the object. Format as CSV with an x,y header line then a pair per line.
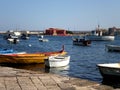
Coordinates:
x,y
13,40
112,47
110,70
57,61
100,38
43,40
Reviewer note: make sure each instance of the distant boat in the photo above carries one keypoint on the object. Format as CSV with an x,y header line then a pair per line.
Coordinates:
x,y
12,34
42,39
110,70
24,36
101,38
97,35
13,39
82,41
57,61
112,48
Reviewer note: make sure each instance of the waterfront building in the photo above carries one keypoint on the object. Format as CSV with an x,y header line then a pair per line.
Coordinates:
x,y
112,30
55,31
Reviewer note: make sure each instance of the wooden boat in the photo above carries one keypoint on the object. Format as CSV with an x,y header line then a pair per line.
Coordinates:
x,y
57,61
112,48
110,70
29,58
82,41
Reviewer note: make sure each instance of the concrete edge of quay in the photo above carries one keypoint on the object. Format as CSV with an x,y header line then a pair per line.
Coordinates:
x,y
19,79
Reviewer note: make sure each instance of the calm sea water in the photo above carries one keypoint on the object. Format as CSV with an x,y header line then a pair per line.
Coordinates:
x,y
83,59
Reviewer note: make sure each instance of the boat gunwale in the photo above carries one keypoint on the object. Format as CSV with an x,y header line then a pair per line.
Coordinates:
x,y
109,65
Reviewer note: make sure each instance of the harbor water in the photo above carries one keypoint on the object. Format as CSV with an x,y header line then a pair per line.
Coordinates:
x,y
83,58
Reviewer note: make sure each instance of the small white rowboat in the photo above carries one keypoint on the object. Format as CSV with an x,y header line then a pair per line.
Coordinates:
x,y
57,61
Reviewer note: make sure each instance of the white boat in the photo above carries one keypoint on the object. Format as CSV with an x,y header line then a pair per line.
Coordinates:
x,y
97,36
13,40
110,70
57,61
113,48
101,38
42,39
82,41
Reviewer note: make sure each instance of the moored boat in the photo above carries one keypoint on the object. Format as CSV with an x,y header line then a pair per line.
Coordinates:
x,y
101,38
82,41
110,70
42,39
112,48
13,39
97,35
57,61
10,51
28,58
24,36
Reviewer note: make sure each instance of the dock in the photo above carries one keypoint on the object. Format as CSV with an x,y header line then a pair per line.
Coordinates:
x,y
19,79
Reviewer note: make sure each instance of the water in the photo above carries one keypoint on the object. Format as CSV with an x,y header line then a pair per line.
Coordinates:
x,y
83,59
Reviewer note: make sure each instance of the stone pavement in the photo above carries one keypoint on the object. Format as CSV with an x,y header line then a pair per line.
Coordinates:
x,y
18,79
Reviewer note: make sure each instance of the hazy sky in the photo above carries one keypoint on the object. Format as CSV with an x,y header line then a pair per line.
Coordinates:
x,y
66,14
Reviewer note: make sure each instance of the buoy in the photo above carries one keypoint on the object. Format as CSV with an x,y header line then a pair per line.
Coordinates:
x,y
30,45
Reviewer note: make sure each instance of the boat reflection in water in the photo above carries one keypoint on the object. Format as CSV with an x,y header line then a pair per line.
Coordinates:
x,y
39,68
114,83
58,70
33,67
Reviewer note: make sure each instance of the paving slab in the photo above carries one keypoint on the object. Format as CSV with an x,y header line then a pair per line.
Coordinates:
x,y
19,79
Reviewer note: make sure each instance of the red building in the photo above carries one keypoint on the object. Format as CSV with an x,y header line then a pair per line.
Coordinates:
x,y
55,31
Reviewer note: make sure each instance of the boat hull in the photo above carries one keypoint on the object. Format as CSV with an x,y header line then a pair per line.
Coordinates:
x,y
81,41
28,58
58,61
84,43
113,48
23,58
110,70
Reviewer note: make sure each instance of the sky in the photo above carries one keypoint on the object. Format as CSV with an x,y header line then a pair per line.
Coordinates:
x,y
75,15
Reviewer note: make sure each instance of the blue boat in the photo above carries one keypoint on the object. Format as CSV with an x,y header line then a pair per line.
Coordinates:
x,y
10,51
